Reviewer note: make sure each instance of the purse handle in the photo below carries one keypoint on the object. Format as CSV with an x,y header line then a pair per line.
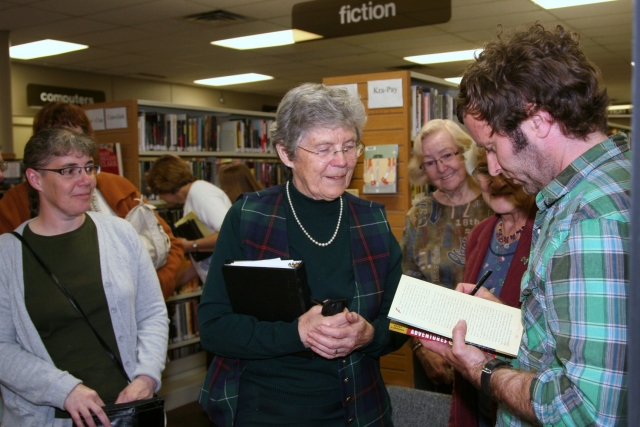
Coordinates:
x,y
75,305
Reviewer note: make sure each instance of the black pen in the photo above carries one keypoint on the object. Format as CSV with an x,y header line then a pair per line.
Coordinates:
x,y
483,279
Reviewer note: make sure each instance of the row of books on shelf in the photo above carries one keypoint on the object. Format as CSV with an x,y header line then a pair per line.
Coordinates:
x,y
184,351
181,132
428,104
267,172
183,320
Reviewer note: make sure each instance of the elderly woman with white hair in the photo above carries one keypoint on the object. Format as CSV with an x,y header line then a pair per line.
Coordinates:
x,y
437,225
349,253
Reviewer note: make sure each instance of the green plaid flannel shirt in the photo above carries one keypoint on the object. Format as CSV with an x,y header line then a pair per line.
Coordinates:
x,y
574,293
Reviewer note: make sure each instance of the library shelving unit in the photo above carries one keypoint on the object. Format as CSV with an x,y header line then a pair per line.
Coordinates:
x,y
393,126
130,135
184,373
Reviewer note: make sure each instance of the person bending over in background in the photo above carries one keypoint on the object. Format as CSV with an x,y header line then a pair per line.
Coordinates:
x,y
52,367
171,179
349,252
235,179
437,225
500,243
536,104
114,195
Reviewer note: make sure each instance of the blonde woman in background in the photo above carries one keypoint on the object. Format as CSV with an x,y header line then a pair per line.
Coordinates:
x,y
436,227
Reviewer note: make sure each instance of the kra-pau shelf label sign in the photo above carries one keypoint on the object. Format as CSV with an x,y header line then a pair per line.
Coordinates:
x,y
339,18
384,93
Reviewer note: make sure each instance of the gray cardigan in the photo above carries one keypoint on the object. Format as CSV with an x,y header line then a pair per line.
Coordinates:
x,y
31,385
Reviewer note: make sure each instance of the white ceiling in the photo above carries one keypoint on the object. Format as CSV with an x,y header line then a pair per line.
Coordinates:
x,y
151,39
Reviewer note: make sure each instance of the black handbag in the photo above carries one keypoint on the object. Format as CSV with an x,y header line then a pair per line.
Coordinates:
x,y
138,413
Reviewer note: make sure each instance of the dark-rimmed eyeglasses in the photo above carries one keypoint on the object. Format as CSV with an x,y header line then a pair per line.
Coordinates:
x,y
445,159
75,171
350,150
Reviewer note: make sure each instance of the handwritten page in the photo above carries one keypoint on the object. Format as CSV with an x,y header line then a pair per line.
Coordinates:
x,y
437,309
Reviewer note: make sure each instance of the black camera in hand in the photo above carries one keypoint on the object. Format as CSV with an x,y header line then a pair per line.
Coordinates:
x,y
332,306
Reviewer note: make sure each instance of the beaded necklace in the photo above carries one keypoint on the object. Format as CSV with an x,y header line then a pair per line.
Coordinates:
x,y
504,240
305,231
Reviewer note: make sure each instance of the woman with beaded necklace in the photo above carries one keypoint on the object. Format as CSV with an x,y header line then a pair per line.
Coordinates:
x,y
500,243
349,252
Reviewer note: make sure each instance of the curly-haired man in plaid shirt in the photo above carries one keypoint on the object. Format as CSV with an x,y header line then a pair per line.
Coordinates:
x,y
536,104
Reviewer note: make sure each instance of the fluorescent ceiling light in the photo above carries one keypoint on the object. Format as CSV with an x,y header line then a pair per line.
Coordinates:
x,y
455,80
43,48
557,4
620,107
435,58
234,80
258,41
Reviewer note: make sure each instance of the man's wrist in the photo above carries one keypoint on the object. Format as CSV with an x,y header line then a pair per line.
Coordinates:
x,y
487,371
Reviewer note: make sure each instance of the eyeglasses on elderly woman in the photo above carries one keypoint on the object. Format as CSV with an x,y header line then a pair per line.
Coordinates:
x,y
351,150
445,159
74,172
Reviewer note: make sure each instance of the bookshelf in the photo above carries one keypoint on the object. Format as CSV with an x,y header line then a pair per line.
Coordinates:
x,y
393,126
119,121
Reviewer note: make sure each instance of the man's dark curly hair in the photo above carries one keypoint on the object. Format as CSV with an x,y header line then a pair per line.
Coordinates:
x,y
527,70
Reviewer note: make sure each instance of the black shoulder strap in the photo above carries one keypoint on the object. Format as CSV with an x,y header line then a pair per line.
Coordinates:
x,y
75,305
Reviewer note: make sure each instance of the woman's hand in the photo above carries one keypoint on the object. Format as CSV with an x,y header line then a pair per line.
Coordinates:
x,y
81,402
139,389
186,244
312,318
339,338
483,292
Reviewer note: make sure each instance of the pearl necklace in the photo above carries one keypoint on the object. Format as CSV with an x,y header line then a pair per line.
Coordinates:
x,y
504,240
305,231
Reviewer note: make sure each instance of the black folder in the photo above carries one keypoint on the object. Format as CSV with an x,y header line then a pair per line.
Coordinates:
x,y
269,294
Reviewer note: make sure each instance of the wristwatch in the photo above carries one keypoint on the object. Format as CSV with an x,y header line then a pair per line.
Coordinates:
x,y
195,246
487,370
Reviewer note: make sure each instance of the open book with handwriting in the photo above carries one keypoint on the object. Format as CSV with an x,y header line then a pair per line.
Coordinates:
x,y
431,311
